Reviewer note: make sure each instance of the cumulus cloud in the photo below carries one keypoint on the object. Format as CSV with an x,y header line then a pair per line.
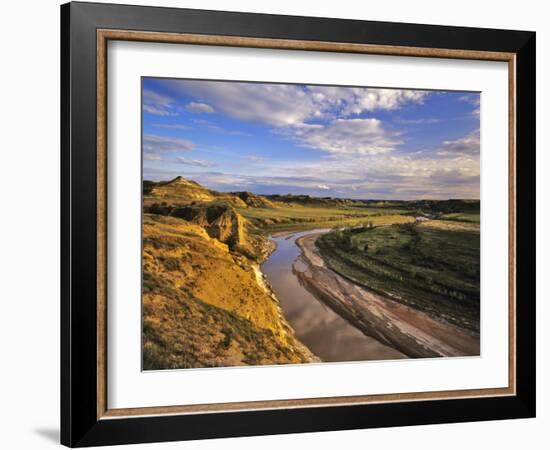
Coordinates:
x,y
157,104
199,108
400,176
364,156
277,105
320,117
193,162
349,136
387,99
388,175
378,176
292,105
467,145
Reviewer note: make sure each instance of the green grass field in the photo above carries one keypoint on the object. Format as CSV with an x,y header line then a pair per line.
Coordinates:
x,y
461,217
432,268
299,217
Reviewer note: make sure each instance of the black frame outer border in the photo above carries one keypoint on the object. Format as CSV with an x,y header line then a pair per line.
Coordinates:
x,y
79,425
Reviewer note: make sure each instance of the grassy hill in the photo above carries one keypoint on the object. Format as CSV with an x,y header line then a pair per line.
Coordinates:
x,y
307,200
433,266
254,200
182,191
297,217
203,305
221,221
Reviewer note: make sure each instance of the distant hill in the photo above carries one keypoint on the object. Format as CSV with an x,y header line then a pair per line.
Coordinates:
x,y
180,191
445,206
307,200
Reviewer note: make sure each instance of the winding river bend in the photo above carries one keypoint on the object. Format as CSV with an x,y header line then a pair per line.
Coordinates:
x,y
324,332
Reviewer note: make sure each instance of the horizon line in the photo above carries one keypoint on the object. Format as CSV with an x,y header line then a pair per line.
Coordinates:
x,y
320,197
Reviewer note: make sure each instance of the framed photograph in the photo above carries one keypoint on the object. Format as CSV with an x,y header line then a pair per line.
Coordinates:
x,y
277,224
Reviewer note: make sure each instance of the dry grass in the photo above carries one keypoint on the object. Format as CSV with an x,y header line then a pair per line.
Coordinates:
x,y
450,225
202,305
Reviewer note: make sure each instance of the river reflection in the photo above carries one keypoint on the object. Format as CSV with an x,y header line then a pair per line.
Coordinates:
x,y
323,331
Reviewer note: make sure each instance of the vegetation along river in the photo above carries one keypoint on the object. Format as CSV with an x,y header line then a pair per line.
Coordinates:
x,y
325,333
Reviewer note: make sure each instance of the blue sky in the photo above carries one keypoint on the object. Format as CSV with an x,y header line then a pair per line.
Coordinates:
x,y
318,140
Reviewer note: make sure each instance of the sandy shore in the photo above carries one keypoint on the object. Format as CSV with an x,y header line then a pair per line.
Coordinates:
x,y
406,329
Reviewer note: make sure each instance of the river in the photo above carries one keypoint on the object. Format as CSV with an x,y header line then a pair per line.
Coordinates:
x,y
324,332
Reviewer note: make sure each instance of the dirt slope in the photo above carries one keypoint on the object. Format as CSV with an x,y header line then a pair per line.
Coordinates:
x,y
203,305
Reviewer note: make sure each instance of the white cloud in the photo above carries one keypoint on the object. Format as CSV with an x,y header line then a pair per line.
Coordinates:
x,y
473,99
467,145
218,129
362,158
292,105
379,176
422,121
277,105
199,108
321,117
157,104
193,162
390,174
153,144
253,158
223,181
175,126
349,136
151,157
387,99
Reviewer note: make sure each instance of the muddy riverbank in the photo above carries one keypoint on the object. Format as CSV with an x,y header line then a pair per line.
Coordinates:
x,y
327,334
400,327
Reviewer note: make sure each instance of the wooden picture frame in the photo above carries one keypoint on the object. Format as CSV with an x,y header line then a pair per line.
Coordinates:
x,y
86,418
